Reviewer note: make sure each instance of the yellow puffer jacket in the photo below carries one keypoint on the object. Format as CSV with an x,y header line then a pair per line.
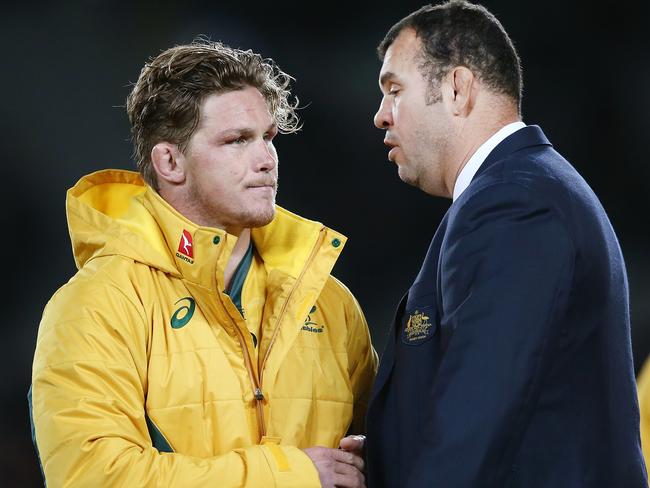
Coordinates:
x,y
643,388
145,374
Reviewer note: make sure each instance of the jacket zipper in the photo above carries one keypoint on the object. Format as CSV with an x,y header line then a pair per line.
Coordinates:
x,y
317,246
257,386
257,391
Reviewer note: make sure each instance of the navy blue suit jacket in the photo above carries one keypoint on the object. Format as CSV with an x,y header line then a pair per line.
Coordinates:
x,y
509,363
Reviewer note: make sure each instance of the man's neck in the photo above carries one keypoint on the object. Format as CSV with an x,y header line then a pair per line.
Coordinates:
x,y
475,137
238,252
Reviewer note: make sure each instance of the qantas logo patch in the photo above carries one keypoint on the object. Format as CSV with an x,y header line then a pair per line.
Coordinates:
x,y
186,247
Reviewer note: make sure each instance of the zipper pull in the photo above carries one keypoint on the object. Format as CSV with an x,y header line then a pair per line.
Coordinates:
x,y
259,396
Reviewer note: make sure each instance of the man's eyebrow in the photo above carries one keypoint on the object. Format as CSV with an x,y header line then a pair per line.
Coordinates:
x,y
386,76
235,131
244,130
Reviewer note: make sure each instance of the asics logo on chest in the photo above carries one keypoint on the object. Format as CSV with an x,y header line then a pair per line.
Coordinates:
x,y
183,314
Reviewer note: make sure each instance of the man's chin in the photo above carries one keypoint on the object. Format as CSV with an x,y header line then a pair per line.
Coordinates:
x,y
407,177
261,219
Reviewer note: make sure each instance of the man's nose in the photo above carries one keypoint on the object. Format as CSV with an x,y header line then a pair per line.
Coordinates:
x,y
267,157
384,116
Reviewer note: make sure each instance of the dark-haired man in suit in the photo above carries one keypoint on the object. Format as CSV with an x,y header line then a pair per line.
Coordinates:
x,y
510,363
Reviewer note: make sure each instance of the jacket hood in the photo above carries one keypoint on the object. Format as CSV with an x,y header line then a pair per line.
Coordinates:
x,y
106,216
114,212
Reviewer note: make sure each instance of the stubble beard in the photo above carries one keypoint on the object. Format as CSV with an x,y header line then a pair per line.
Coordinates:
x,y
258,215
206,212
411,171
260,218
264,215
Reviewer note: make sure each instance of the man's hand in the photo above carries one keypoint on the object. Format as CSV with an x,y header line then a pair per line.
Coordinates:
x,y
353,444
337,468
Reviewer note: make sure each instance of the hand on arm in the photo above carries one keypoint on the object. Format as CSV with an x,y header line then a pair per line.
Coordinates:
x,y
337,468
353,444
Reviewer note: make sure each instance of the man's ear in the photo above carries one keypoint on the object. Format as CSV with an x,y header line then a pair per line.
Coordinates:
x,y
168,162
461,90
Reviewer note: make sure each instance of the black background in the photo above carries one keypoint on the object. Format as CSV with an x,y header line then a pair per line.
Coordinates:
x,y
66,70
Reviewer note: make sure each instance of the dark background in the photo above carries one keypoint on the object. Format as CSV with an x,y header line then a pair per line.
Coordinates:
x,y
65,73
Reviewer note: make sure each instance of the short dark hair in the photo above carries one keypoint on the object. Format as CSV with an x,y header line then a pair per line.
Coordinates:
x,y
459,33
165,103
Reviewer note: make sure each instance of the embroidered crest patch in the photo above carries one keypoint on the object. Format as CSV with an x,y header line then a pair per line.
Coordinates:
x,y
419,327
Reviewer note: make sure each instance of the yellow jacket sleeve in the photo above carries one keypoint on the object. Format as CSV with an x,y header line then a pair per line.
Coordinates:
x,y
644,409
88,393
362,364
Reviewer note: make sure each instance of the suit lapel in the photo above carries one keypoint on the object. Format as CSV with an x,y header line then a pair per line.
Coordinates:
x,y
426,277
388,356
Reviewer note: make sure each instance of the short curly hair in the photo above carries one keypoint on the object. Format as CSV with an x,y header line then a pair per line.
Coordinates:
x,y
165,102
460,33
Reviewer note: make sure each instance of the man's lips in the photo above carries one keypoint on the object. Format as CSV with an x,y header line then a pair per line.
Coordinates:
x,y
393,148
263,186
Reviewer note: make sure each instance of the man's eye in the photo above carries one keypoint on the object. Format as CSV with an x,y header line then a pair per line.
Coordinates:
x,y
394,91
239,140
